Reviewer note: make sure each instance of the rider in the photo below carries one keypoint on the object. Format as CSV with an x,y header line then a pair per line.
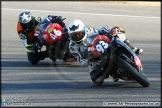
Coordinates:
x,y
26,28
78,33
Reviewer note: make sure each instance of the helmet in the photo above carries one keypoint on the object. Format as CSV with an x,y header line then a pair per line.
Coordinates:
x,y
26,21
76,31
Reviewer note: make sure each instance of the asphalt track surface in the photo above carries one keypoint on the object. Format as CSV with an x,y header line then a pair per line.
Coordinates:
x,y
46,84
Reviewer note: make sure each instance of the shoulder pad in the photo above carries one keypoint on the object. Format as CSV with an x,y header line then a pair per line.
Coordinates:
x,y
38,19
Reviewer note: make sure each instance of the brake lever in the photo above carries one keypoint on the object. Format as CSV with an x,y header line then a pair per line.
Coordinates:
x,y
63,19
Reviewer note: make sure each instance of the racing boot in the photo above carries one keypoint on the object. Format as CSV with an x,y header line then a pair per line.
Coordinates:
x,y
34,58
70,59
137,50
134,49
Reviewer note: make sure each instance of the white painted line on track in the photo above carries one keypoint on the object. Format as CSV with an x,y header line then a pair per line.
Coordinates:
x,y
83,13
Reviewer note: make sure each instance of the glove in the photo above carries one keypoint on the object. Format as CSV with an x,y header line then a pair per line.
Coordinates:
x,y
121,29
115,30
37,45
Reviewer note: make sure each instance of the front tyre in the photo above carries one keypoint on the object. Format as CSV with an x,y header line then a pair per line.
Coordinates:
x,y
133,72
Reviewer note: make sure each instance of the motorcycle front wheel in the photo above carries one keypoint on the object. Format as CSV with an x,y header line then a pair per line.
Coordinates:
x,y
133,72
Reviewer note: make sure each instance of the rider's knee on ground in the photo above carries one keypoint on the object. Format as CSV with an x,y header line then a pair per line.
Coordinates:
x,y
35,58
32,58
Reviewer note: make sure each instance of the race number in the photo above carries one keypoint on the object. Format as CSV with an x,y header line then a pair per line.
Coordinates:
x,y
101,46
56,34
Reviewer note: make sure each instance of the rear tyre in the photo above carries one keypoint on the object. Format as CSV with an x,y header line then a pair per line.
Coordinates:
x,y
133,72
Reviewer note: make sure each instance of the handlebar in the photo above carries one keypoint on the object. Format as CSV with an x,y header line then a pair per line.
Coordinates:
x,y
63,19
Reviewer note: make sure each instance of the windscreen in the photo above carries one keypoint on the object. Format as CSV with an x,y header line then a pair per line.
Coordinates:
x,y
42,25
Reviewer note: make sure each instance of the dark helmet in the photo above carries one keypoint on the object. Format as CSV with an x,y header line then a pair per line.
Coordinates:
x,y
27,21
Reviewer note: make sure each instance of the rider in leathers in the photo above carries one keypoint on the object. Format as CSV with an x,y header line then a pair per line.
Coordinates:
x,y
26,28
78,46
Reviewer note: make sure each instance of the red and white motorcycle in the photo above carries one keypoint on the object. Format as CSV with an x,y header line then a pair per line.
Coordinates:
x,y
52,36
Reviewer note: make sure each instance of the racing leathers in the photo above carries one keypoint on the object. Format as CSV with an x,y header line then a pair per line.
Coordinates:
x,y
81,50
31,42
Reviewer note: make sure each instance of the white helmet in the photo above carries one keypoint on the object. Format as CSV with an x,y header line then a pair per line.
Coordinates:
x,y
27,21
77,31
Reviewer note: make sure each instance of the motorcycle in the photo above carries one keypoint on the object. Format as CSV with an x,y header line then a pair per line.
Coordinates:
x,y
116,59
54,38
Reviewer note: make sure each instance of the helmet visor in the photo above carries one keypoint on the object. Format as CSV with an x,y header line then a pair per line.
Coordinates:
x,y
77,36
28,25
